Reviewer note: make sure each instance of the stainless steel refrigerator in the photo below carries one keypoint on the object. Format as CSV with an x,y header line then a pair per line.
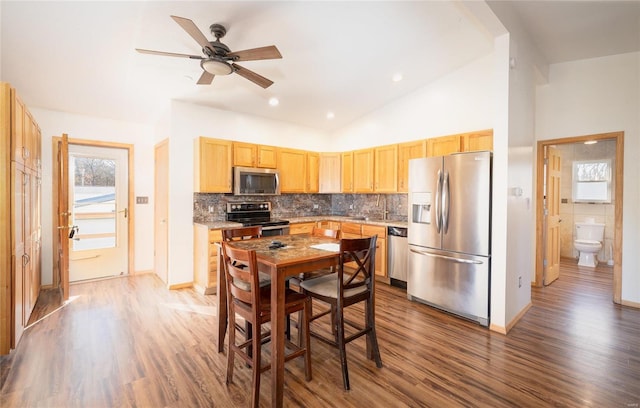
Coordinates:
x,y
450,233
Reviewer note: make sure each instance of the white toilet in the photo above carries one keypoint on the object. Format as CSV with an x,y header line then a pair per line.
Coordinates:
x,y
589,236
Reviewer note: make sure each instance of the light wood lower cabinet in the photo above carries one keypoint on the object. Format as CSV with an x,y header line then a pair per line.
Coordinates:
x,y
301,228
381,247
205,258
352,230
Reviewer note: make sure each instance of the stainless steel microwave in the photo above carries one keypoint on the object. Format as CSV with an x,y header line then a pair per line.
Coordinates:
x,y
255,181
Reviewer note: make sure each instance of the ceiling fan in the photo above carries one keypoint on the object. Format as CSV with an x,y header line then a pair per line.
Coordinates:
x,y
218,58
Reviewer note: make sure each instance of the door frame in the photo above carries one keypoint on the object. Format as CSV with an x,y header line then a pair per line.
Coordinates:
x,y
57,279
618,195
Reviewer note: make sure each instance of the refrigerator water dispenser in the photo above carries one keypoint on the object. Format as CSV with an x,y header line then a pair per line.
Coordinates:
x,y
421,208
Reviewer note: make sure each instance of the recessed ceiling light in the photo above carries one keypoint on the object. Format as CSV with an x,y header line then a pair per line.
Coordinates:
x,y
274,101
396,77
330,115
591,142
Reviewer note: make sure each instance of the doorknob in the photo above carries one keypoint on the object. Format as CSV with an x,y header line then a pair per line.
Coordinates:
x,y
125,211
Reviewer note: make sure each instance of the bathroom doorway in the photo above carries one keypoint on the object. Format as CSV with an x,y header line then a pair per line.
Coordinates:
x,y
613,237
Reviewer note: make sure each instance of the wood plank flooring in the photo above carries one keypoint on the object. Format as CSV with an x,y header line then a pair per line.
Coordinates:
x,y
129,342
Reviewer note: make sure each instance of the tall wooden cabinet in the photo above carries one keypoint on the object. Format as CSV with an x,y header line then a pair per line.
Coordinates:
x,y
20,216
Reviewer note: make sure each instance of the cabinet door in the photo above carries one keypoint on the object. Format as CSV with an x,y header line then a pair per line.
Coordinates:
x,y
18,178
213,160
293,170
313,172
267,157
18,149
347,172
406,152
478,141
244,154
386,169
363,171
381,246
330,173
442,146
332,225
29,140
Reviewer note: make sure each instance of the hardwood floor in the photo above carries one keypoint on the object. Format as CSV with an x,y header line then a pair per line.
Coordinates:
x,y
130,342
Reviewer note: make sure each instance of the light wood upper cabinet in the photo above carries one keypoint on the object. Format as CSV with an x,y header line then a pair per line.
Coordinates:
x,y
267,157
252,155
442,146
386,169
293,170
347,172
477,141
406,152
330,172
213,161
363,171
313,172
18,131
244,154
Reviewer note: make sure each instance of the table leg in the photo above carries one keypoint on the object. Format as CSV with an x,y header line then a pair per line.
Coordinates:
x,y
277,336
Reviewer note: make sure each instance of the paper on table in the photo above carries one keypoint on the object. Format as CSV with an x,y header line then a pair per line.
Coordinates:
x,y
327,247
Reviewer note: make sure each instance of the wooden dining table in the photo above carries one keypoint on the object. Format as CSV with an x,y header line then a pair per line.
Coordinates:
x,y
297,256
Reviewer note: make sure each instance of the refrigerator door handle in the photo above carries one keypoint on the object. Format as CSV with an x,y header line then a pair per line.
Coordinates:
x,y
448,258
445,203
438,202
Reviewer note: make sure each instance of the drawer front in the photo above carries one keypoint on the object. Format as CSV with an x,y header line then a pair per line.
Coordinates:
x,y
371,230
301,228
351,229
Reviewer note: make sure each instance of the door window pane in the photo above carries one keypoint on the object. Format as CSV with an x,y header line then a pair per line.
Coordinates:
x,y
94,202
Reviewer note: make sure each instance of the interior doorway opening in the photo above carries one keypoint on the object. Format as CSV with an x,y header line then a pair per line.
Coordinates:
x,y
541,252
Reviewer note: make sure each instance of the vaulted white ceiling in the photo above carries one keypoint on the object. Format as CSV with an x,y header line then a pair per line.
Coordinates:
x,y
337,56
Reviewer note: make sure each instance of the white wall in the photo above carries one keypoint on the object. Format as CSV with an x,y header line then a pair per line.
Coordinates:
x,y
458,102
53,123
597,96
191,121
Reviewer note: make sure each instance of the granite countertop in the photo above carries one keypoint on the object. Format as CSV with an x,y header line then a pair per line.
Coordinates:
x,y
219,224
315,218
341,218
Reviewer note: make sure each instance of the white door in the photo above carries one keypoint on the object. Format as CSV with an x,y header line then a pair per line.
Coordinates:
x,y
98,200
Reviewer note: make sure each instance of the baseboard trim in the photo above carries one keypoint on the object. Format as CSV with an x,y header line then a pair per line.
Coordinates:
x,y
629,303
143,272
184,285
505,330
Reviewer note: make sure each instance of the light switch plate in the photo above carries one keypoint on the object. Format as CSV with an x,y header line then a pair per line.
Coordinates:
x,y
142,200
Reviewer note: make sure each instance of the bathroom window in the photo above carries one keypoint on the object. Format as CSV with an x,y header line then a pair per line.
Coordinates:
x,y
592,181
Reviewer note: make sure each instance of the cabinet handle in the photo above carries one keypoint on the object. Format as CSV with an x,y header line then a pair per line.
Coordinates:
x,y
25,259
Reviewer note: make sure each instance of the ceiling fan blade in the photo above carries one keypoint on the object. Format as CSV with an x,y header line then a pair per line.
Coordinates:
x,y
206,78
191,29
262,53
168,54
252,76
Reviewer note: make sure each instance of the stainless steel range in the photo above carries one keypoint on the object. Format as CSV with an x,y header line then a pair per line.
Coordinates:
x,y
257,213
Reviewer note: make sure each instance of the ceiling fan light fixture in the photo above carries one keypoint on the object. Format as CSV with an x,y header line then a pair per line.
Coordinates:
x,y
216,67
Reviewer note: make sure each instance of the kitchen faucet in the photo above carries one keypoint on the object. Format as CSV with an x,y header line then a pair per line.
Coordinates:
x,y
384,206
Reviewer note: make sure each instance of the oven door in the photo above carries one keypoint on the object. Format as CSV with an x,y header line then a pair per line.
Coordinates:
x,y
275,230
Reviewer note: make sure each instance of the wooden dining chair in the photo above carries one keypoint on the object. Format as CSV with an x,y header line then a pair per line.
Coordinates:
x,y
347,287
252,302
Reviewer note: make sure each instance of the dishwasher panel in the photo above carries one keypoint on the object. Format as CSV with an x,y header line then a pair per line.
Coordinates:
x,y
397,256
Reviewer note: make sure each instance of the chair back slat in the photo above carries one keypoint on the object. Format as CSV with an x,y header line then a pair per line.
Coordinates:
x,y
241,269
325,232
360,251
236,234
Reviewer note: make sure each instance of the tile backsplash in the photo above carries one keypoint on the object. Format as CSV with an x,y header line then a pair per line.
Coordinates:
x,y
212,207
